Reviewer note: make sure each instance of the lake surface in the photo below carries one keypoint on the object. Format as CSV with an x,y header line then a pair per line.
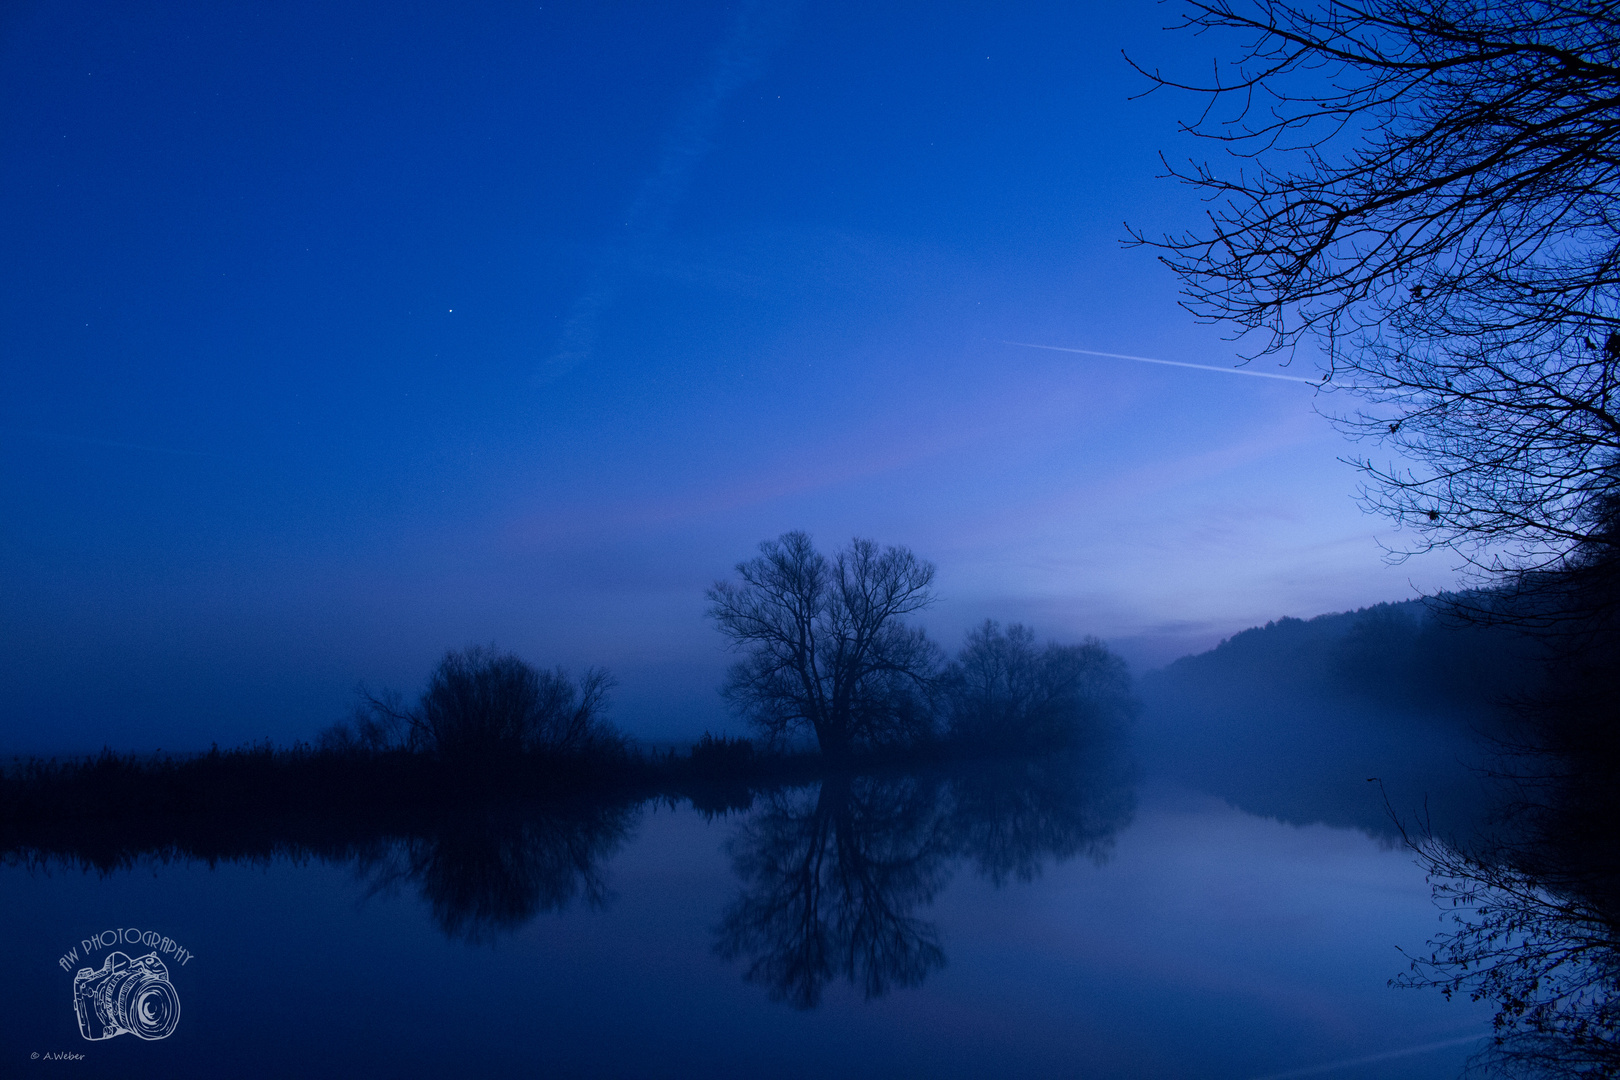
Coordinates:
x,y
1135,923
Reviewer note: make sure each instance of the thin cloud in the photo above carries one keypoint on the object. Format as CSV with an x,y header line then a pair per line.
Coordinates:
x,y
757,30
1170,363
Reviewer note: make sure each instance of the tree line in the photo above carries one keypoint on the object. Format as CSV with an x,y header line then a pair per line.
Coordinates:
x,y
827,657
827,654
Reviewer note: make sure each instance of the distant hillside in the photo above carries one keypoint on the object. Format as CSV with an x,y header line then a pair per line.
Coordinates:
x,y
1290,719
1397,656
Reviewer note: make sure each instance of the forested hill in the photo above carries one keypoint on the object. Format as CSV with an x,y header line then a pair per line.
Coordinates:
x,y
1403,656
1291,718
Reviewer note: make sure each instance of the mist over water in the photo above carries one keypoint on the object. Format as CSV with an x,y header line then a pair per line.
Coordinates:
x,y
400,676
1212,890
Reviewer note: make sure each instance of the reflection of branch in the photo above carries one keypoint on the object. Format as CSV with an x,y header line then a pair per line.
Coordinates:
x,y
1550,961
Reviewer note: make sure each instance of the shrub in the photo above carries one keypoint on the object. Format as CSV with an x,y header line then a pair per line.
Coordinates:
x,y
481,702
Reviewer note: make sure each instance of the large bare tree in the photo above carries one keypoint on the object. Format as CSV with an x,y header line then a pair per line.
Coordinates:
x,y
825,645
1429,191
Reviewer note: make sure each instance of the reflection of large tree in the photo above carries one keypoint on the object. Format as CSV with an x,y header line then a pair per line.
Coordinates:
x,y
832,876
830,880
490,872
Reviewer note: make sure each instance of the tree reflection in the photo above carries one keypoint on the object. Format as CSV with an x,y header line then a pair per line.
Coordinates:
x,y
1548,958
1011,817
488,873
832,875
1534,907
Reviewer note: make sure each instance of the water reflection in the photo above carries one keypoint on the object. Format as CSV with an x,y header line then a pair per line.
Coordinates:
x,y
1547,955
1013,816
833,875
1533,903
830,880
491,872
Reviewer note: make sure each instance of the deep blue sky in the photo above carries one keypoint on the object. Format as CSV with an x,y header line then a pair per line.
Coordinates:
x,y
335,335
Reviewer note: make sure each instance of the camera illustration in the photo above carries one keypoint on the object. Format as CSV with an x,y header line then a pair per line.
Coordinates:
x,y
126,995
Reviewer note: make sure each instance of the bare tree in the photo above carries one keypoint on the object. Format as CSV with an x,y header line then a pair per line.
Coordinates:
x,y
1003,691
481,702
1427,189
825,645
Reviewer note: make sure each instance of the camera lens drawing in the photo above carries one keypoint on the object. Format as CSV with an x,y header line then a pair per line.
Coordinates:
x,y
126,995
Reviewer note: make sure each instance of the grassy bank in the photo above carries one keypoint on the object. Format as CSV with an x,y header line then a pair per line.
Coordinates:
x,y
261,801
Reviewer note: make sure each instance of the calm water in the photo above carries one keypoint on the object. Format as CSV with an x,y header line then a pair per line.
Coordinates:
x,y
1122,923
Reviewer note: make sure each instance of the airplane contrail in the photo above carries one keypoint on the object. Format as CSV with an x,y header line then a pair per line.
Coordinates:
x,y
1387,1055
1170,363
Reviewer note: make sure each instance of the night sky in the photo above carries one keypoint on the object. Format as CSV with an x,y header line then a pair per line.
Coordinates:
x,y
336,335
